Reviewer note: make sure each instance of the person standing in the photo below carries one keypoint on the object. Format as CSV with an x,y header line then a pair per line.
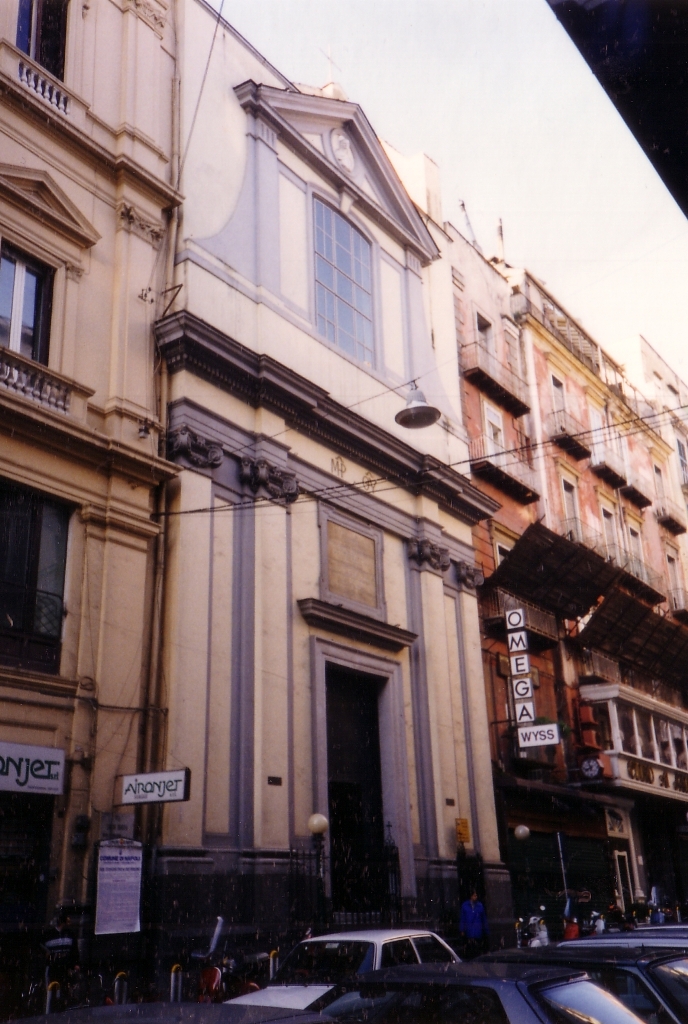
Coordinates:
x,y
473,926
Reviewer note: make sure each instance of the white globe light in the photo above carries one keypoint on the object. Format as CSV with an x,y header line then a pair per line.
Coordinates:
x,y
521,832
317,824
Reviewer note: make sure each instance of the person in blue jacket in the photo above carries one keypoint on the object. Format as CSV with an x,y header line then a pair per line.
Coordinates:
x,y
473,926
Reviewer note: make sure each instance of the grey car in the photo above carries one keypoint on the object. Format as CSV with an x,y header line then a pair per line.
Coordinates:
x,y
478,993
651,983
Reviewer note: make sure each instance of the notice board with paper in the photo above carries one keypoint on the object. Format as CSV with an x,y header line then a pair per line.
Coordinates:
x,y
118,903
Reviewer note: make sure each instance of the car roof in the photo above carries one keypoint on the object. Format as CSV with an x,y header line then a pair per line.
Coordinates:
x,y
374,935
475,972
570,953
179,1013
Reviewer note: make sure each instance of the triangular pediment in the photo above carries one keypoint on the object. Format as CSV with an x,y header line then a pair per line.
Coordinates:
x,y
36,192
336,137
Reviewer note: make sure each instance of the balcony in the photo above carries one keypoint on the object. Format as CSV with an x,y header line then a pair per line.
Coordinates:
x,y
506,470
541,625
598,668
633,573
671,515
494,379
41,386
638,577
566,432
561,325
639,490
678,604
608,465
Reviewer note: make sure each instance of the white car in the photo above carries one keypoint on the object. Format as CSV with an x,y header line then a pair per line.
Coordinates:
x,y
316,966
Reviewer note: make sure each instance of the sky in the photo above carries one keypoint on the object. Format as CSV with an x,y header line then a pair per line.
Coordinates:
x,y
496,93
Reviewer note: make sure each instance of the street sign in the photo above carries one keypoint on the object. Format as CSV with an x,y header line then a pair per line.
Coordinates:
x,y
155,787
525,713
515,619
538,735
520,664
522,687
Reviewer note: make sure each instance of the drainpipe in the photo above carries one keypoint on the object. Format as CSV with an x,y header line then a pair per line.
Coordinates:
x,y
153,728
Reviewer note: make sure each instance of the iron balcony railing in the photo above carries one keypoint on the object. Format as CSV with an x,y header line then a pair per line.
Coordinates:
x,y
608,464
638,489
490,375
567,432
561,326
494,605
678,603
635,570
671,515
598,668
506,468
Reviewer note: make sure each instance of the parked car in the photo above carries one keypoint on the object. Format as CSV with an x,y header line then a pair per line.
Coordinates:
x,y
316,966
668,936
176,1013
478,993
654,985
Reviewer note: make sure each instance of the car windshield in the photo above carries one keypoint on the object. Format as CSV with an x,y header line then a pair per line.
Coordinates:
x,y
582,1002
426,1004
672,980
631,990
325,962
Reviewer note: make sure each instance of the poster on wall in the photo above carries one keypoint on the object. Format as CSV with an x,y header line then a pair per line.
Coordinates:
x,y
118,902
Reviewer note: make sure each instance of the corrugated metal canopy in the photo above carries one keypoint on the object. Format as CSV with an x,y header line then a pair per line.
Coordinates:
x,y
626,628
554,572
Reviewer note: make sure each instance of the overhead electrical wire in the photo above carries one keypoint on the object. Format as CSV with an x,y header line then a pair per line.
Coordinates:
x,y
331,490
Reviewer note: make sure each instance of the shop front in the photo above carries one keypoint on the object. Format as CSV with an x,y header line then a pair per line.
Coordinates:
x,y
568,852
31,777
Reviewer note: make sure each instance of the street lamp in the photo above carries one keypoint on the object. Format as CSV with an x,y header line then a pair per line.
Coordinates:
x,y
318,826
417,413
521,832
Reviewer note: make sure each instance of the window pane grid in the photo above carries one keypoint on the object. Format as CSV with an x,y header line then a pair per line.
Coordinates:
x,y
343,284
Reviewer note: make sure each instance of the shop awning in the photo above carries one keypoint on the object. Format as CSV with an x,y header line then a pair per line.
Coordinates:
x,y
554,572
626,628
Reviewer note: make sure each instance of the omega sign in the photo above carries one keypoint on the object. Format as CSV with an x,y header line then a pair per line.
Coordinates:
x,y
28,769
155,787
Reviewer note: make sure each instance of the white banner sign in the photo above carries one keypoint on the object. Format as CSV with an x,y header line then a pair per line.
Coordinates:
x,y
538,735
156,787
26,769
522,687
119,887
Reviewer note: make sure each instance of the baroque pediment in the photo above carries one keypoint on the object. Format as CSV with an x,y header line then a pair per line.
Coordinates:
x,y
336,138
35,192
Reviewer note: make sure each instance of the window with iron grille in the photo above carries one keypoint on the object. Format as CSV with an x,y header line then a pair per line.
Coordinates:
x,y
42,33
33,549
343,284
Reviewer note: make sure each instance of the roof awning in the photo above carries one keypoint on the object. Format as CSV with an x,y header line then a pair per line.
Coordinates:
x,y
554,572
626,628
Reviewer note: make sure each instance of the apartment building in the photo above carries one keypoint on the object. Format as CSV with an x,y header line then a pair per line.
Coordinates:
x,y
587,543
85,190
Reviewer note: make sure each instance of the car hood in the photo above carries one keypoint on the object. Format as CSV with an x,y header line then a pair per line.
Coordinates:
x,y
295,997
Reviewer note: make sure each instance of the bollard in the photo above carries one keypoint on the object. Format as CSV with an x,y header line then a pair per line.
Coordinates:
x,y
176,984
121,988
52,991
274,963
